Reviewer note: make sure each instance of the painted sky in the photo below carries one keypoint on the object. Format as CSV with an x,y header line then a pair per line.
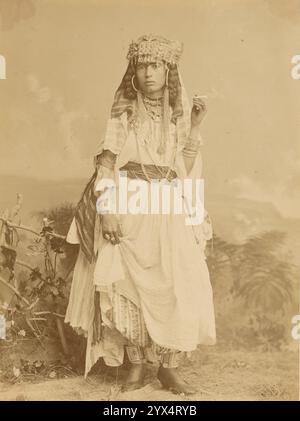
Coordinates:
x,y
65,59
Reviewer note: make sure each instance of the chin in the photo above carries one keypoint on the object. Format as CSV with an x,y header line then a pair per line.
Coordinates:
x,y
150,89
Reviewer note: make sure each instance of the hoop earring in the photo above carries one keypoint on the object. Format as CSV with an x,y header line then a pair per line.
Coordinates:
x,y
132,83
167,78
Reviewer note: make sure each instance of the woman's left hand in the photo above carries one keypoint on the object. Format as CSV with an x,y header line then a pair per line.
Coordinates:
x,y
198,111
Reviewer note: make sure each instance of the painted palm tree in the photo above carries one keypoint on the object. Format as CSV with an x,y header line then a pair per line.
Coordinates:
x,y
266,281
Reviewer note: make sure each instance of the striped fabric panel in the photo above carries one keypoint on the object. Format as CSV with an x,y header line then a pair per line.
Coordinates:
x,y
121,103
129,321
85,215
171,359
120,107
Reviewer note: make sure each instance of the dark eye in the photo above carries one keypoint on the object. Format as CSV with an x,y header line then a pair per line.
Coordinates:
x,y
153,66
158,65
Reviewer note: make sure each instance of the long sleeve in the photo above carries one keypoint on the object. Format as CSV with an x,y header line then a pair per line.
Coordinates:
x,y
115,135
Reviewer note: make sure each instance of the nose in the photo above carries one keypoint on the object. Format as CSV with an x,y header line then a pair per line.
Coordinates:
x,y
148,72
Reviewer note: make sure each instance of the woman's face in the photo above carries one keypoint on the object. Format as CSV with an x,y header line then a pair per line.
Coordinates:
x,y
151,77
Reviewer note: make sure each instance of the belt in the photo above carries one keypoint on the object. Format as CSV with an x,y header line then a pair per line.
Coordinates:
x,y
158,172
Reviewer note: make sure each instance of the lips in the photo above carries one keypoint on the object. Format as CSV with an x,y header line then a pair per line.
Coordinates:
x,y
149,83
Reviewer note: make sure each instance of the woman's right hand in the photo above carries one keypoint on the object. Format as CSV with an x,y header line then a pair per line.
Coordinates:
x,y
111,228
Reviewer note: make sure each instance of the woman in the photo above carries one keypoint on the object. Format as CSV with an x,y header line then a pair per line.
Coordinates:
x,y
141,283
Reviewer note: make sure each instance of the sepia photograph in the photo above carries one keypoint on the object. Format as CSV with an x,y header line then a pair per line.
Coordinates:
x,y
149,202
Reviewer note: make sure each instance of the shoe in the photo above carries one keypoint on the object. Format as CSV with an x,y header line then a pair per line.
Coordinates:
x,y
171,381
135,378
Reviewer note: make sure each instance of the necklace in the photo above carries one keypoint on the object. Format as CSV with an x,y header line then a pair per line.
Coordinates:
x,y
154,107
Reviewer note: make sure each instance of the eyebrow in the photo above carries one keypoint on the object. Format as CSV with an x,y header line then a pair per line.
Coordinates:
x,y
150,62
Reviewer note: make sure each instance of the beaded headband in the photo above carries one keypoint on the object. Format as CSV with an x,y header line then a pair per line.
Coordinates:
x,y
152,48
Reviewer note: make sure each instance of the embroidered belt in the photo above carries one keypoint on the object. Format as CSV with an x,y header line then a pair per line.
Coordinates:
x,y
158,172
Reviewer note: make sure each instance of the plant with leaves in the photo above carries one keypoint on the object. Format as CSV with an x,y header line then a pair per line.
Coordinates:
x,y
267,281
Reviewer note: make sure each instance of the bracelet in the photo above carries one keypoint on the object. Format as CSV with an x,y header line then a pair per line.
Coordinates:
x,y
191,150
192,147
189,153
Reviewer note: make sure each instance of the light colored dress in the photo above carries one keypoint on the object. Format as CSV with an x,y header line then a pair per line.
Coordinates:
x,y
159,267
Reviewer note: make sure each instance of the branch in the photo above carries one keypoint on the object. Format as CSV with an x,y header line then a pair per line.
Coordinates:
x,y
14,290
29,229
40,313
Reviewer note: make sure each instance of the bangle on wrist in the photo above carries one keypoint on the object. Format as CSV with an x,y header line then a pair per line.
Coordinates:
x,y
192,147
190,153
